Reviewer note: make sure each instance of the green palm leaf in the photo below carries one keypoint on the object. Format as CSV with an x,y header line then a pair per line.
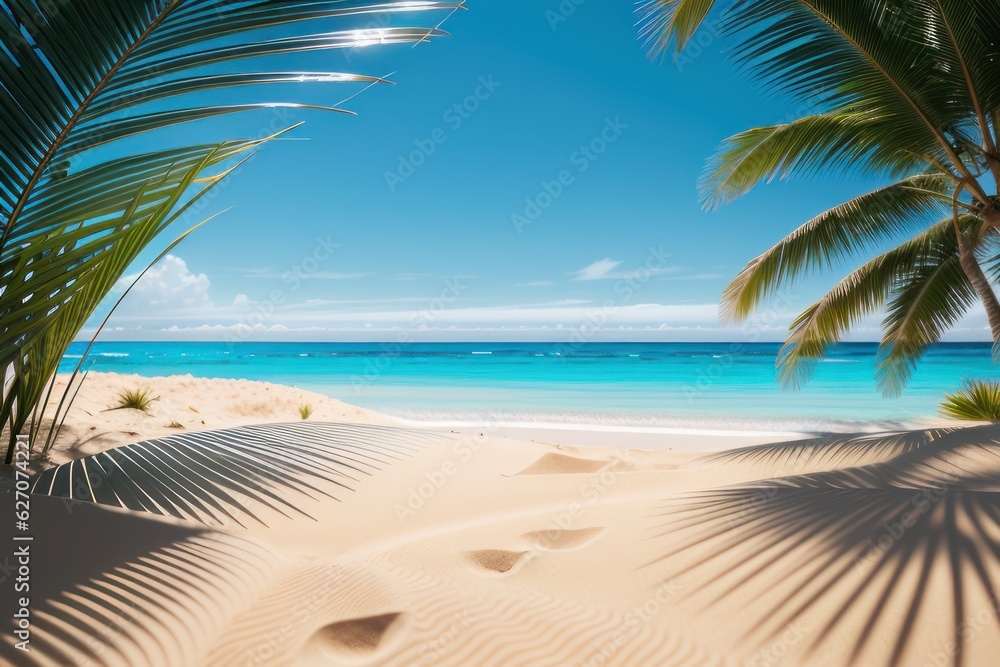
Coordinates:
x,y
978,400
822,142
74,79
933,298
667,23
900,88
862,293
841,232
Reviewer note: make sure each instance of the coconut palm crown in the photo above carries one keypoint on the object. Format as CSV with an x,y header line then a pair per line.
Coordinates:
x,y
908,90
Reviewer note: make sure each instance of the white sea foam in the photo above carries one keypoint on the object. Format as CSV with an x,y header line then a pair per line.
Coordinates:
x,y
643,424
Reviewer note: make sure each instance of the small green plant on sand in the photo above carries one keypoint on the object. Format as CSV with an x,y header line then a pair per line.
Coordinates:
x,y
135,399
977,400
305,411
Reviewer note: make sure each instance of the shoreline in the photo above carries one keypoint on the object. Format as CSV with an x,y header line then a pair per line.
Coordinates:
x,y
614,435
192,404
667,385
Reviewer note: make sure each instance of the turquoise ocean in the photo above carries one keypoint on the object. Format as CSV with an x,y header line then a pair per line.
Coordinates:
x,y
696,385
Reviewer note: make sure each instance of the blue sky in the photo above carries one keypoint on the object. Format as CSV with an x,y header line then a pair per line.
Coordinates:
x,y
531,177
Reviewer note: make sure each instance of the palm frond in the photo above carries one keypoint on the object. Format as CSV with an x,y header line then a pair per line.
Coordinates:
x,y
836,56
978,400
861,293
824,142
74,82
930,300
963,37
843,231
666,23
919,69
905,88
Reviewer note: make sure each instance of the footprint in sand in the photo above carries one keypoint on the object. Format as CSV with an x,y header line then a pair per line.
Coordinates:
x,y
560,464
497,560
500,561
356,640
555,539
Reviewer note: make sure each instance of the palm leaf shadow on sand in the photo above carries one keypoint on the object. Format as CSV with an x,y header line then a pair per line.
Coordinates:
x,y
138,589
890,544
824,452
221,475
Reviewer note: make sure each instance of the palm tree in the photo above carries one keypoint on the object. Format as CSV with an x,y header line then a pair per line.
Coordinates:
x,y
77,77
906,89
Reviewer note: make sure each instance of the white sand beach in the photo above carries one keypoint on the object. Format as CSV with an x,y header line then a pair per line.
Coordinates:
x,y
376,545
562,334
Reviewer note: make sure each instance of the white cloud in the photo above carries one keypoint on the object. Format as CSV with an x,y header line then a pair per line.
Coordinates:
x,y
334,275
172,302
569,312
599,270
604,269
269,273
697,276
167,287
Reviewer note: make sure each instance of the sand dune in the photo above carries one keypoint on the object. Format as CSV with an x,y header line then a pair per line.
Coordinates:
x,y
314,543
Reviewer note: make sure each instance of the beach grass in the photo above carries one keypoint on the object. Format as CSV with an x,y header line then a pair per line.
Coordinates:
x,y
136,399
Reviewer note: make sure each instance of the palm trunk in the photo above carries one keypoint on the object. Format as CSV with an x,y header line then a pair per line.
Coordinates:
x,y
980,283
